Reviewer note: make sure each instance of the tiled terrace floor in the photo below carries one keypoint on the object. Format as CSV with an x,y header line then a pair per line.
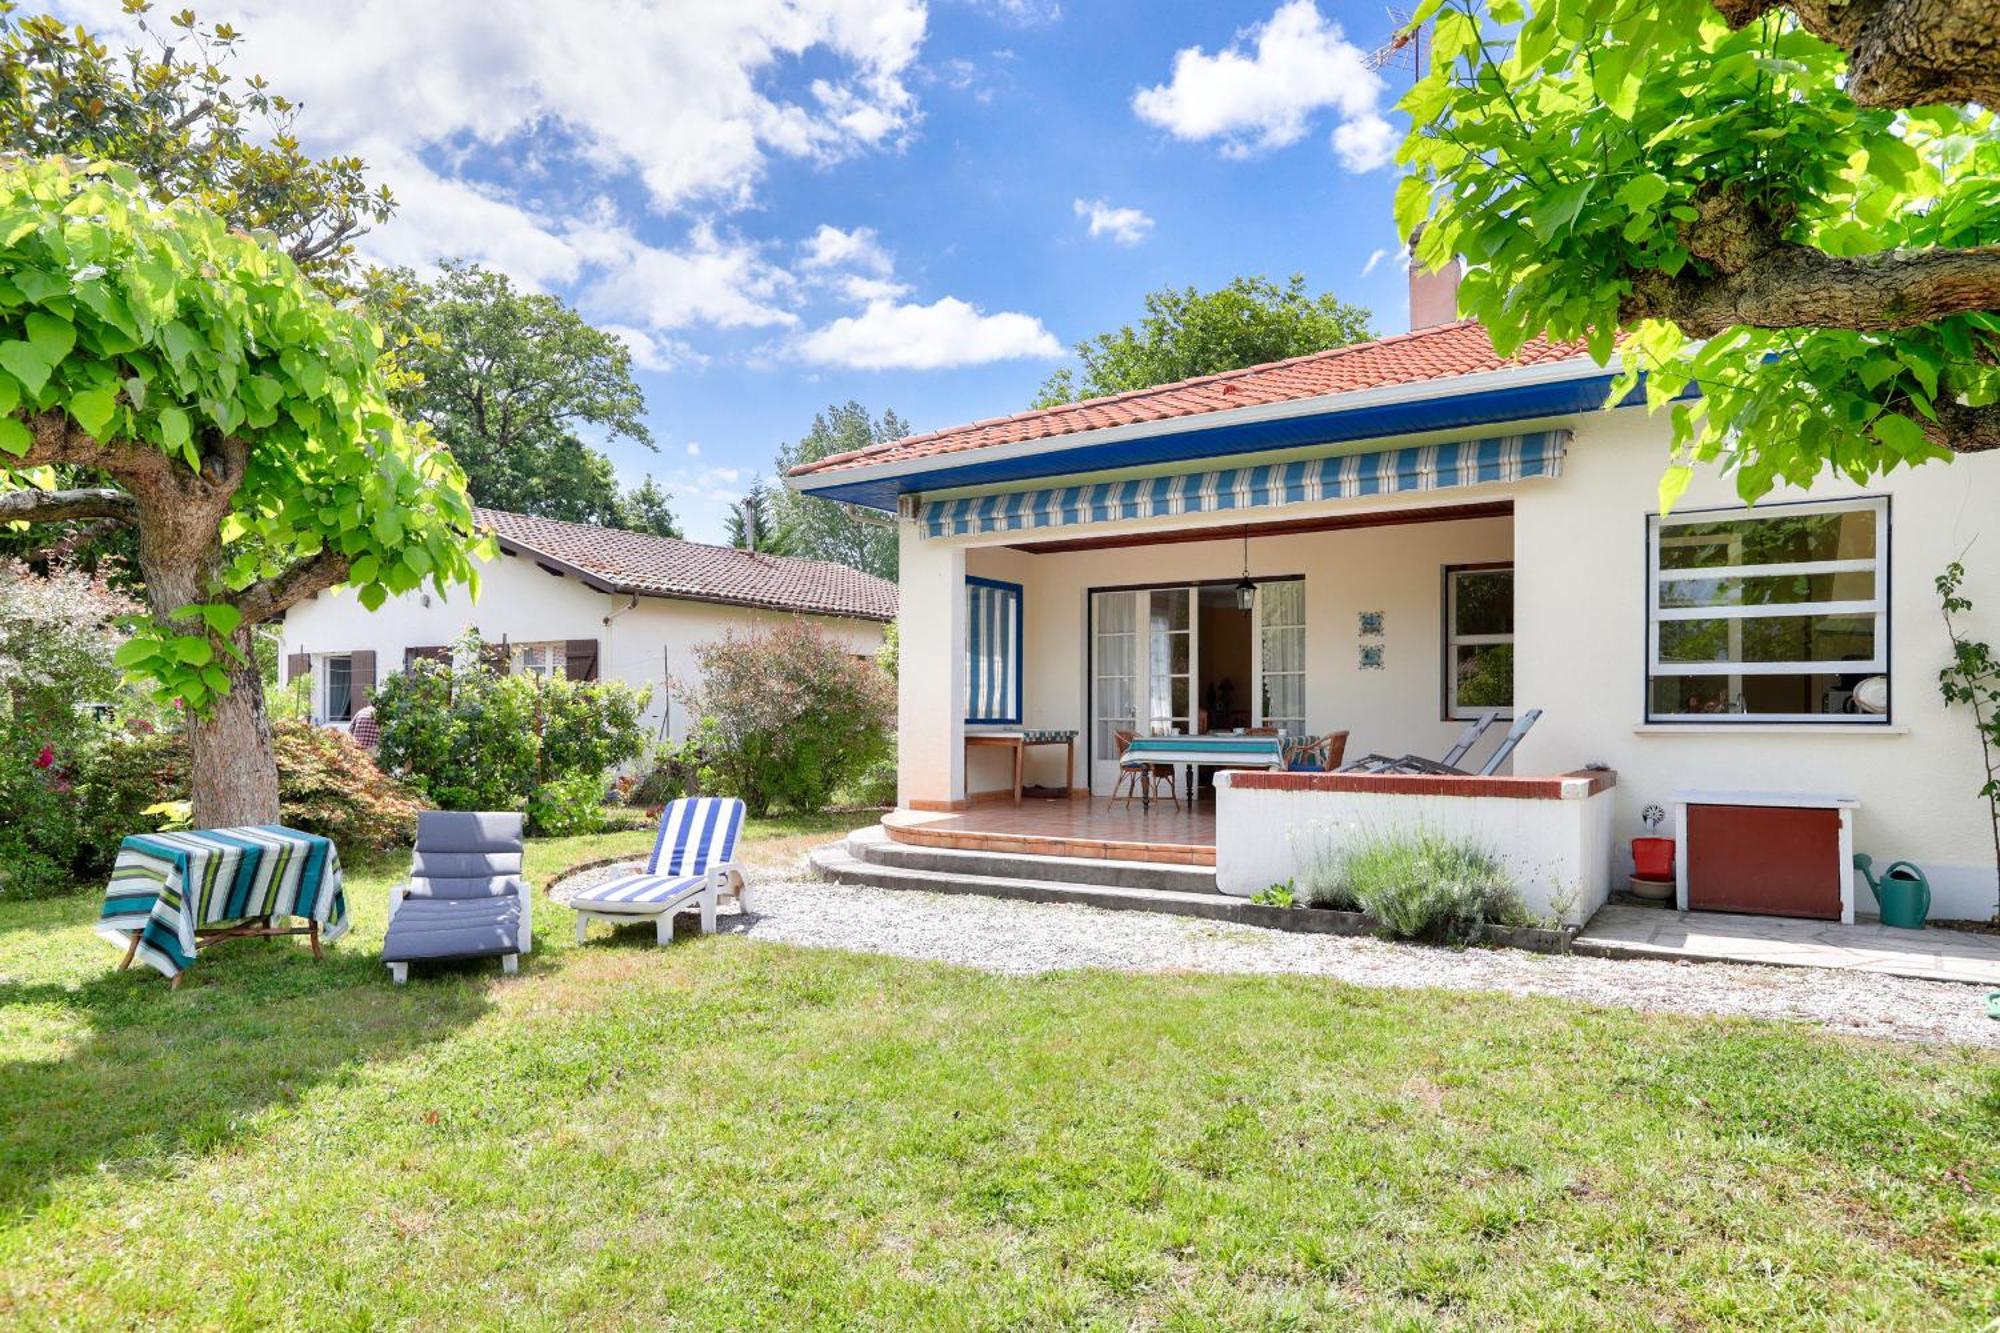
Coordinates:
x,y
1865,946
1095,828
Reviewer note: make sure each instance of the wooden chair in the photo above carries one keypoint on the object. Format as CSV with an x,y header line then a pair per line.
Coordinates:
x,y
1130,778
1307,755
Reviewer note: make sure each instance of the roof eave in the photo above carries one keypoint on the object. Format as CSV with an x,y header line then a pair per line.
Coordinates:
x,y
624,588
1548,372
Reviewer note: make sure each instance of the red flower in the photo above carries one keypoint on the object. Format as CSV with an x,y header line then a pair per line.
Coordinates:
x,y
46,757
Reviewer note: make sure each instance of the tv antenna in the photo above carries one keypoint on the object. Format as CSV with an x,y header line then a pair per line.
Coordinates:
x,y
1405,48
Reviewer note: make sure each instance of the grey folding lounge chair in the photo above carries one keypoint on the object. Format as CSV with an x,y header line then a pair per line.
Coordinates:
x,y
465,897
1522,725
1410,763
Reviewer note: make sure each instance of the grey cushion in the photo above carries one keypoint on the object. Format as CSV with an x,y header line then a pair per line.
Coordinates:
x,y
484,886
469,831
467,854
453,928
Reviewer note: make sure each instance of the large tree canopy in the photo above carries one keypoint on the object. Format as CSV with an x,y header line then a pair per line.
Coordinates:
x,y
174,110
821,529
237,421
1827,271
1185,333
507,379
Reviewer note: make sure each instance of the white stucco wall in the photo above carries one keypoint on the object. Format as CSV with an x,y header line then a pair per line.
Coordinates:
x,y
640,646
1555,852
1580,569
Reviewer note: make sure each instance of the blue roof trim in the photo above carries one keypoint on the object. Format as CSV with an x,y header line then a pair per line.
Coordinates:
x,y
1447,412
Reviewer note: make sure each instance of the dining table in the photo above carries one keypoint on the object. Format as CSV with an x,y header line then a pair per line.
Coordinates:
x,y
173,893
1215,749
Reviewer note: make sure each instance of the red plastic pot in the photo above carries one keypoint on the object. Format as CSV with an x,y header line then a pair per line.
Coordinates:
x,y
1653,858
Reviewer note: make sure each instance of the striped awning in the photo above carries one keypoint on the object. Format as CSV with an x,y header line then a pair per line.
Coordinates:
x,y
1425,467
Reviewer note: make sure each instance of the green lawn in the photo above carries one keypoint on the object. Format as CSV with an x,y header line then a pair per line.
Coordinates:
x,y
733,1135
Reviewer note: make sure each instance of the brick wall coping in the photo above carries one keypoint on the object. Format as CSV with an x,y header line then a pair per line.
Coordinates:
x,y
1562,787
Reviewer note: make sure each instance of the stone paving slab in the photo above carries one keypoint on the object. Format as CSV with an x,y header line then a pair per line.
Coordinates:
x,y
1623,931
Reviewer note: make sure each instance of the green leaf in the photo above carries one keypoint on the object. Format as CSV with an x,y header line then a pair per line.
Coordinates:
x,y
222,618
50,335
1673,485
1641,192
194,650
94,409
175,430
14,437
372,596
1901,434
25,364
134,651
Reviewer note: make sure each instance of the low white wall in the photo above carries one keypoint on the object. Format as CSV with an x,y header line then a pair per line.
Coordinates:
x,y
1557,851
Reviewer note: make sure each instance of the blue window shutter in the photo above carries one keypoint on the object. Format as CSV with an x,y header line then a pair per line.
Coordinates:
x,y
992,652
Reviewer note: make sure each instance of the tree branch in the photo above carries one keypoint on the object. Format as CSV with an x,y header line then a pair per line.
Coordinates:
x,y
262,601
1794,286
1962,429
33,506
1900,53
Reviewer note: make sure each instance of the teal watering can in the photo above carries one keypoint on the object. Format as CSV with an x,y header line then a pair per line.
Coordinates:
x,y
1902,893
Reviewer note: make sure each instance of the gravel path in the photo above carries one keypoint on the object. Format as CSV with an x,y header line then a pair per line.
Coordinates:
x,y
1025,938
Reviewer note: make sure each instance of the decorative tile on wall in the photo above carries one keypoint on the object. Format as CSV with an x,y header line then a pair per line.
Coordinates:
x,y
1371,657
1371,622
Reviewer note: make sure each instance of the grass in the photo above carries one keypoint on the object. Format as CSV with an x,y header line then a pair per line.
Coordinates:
x,y
728,1135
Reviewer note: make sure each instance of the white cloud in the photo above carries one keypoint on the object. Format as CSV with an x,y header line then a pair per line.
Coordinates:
x,y
863,290
1126,226
1364,143
651,352
888,335
1375,257
1025,13
677,94
830,247
1263,90
715,280
694,449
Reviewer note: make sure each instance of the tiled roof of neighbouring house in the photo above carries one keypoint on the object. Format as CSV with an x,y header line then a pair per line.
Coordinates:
x,y
1440,353
664,567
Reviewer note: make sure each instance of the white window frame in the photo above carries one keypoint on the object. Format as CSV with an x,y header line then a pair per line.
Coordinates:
x,y
1453,640
1876,606
553,652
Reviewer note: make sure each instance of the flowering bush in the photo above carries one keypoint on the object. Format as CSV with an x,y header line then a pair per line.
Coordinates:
x,y
786,716
471,738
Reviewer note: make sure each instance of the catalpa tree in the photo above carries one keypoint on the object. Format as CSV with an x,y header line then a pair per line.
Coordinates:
x,y
1796,206
238,422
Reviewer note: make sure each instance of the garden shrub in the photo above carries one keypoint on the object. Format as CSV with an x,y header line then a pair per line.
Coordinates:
x,y
1424,885
786,717
565,807
470,738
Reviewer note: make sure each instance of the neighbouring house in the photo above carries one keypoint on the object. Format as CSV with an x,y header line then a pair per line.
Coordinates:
x,y
1429,531
585,602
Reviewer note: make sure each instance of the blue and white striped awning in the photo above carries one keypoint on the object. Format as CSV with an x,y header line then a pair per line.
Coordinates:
x,y
1424,467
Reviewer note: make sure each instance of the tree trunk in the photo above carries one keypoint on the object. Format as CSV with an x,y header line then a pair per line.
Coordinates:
x,y
235,766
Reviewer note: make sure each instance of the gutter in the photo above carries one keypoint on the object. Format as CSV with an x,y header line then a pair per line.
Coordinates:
x,y
1552,372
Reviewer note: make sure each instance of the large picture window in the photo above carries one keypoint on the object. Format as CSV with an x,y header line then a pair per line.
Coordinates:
x,y
1776,614
1479,640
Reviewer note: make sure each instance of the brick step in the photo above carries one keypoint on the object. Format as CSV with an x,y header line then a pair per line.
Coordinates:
x,y
877,847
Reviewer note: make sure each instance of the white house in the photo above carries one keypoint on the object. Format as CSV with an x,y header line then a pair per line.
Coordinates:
x,y
587,602
1431,530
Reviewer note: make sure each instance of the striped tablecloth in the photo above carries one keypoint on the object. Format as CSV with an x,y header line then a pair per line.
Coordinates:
x,y
166,886
1221,751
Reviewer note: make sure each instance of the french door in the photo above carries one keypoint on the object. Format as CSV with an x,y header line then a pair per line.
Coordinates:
x,y
1145,643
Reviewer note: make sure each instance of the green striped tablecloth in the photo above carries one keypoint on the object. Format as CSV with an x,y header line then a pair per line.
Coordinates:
x,y
166,886
1226,751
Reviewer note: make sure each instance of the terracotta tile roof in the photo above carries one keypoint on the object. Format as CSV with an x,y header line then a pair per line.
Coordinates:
x,y
696,571
1440,353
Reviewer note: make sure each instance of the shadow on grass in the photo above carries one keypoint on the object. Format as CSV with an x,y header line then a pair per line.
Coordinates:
x,y
160,1074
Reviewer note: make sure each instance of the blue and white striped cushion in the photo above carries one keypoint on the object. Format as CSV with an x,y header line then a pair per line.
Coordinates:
x,y
642,895
696,832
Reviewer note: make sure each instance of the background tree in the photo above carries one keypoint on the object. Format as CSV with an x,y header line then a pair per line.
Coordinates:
x,y
241,423
648,508
506,378
1613,167
753,526
174,109
822,529
1186,333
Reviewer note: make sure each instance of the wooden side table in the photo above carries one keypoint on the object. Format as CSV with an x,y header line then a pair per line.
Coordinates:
x,y
1019,741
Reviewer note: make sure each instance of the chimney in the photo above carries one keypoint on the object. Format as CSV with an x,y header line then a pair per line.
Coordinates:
x,y
1433,292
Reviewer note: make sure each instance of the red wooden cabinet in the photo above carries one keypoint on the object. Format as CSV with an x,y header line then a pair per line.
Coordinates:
x,y
1772,855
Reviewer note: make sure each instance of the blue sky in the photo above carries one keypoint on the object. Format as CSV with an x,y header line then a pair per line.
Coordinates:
x,y
786,203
